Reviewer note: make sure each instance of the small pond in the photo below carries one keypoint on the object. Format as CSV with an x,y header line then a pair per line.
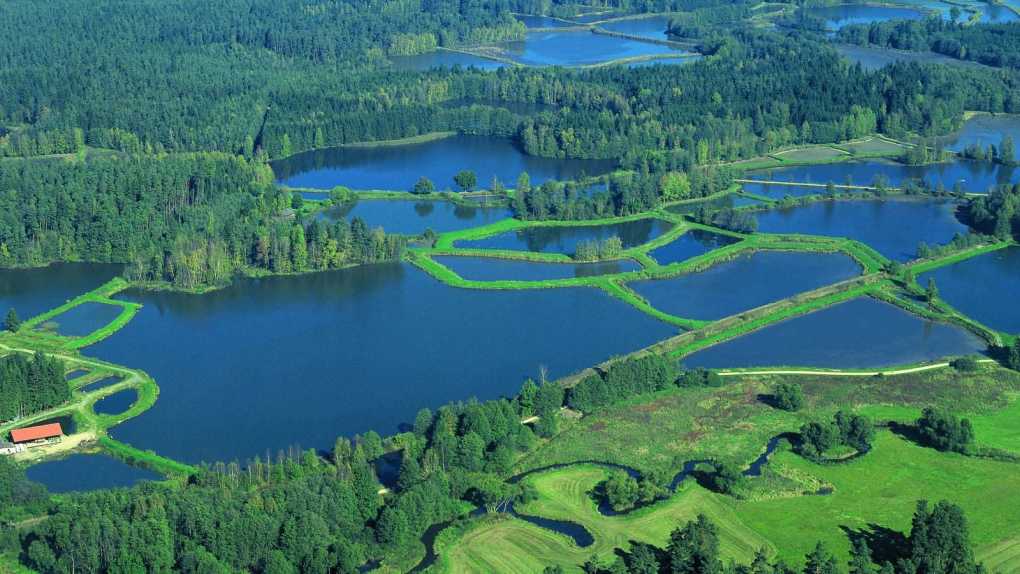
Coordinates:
x,y
496,269
745,282
579,48
653,27
894,228
858,334
564,239
84,472
444,59
691,244
837,17
100,384
34,291
116,403
82,319
984,287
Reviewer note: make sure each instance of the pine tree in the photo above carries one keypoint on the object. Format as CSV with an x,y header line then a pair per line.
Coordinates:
x,y
12,323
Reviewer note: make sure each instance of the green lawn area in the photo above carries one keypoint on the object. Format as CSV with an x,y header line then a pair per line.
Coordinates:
x,y
881,490
811,154
872,147
512,545
658,432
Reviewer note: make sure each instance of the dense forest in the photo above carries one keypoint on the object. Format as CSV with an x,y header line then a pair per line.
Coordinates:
x,y
186,219
993,44
28,386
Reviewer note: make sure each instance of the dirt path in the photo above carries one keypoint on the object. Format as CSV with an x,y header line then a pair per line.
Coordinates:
x,y
841,373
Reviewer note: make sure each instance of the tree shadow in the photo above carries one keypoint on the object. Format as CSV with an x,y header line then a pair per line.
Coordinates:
x,y
885,544
769,400
907,432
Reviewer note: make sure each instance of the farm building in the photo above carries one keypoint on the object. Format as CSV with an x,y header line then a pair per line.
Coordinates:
x,y
40,434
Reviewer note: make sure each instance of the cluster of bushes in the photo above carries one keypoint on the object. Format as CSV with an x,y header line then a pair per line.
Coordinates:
x,y
845,430
623,492
945,431
959,242
727,218
621,380
594,249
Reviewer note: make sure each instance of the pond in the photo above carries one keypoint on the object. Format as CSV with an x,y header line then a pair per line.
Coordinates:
x,y
837,17
116,403
269,363
579,48
990,12
973,176
496,269
858,334
35,291
874,57
983,287
82,319
564,239
413,217
653,27
745,282
984,130
691,244
83,472
892,227
398,167
101,383
444,59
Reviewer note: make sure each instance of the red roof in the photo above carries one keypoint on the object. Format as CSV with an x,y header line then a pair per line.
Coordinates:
x,y
37,432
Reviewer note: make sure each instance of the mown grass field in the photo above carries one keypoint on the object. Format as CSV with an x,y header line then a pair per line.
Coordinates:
x,y
872,147
811,154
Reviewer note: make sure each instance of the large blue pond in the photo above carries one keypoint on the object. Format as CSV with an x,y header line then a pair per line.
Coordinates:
x,y
862,333
564,239
894,228
269,363
984,287
691,244
578,48
748,281
653,27
413,217
973,176
399,167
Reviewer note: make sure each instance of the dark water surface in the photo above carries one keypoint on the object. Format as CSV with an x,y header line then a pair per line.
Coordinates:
x,y
691,244
874,57
116,403
858,334
83,319
269,363
893,227
444,59
985,130
837,17
398,167
495,269
565,239
34,291
654,27
748,281
986,288
413,217
81,472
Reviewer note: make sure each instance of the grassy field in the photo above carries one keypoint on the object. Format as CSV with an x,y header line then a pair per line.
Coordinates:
x,y
873,147
871,494
811,154
513,545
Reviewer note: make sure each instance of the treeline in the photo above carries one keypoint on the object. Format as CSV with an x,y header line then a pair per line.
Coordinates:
x,y
28,386
995,45
621,380
657,181
35,142
938,542
185,219
997,213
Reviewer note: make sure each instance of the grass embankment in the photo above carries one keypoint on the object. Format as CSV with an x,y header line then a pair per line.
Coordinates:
x,y
875,492
29,335
866,148
147,459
